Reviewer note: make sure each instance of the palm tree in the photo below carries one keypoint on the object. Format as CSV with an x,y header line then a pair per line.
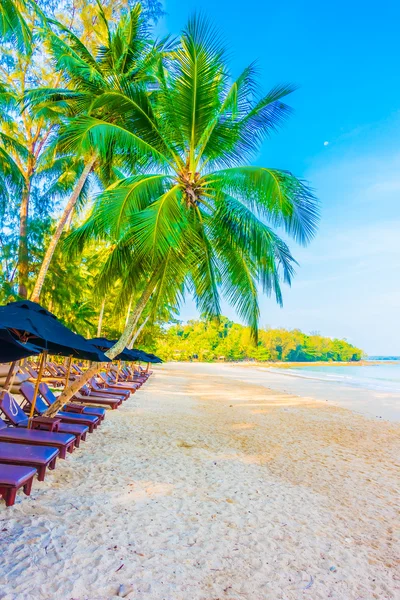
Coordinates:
x,y
13,26
126,57
28,166
198,215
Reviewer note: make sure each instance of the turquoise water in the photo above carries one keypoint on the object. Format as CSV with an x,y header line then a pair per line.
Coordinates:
x,y
372,390
381,377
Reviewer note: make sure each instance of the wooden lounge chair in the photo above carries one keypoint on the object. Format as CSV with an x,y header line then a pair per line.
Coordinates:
x,y
87,391
92,421
121,381
116,387
63,441
33,375
73,408
133,376
125,377
16,416
12,478
38,457
106,391
59,372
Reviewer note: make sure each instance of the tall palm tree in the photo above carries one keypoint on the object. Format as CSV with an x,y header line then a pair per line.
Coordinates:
x,y
198,215
196,196
126,57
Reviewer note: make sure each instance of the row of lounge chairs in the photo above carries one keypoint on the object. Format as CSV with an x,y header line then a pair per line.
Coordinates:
x,y
26,452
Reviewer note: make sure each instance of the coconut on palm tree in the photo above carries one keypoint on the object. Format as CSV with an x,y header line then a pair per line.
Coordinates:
x,y
198,215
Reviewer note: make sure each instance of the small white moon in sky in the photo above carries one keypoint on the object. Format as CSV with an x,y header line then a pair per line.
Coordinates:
x,y
326,143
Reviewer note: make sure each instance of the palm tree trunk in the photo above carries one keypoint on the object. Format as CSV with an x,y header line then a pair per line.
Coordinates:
x,y
23,256
60,228
129,311
100,323
123,341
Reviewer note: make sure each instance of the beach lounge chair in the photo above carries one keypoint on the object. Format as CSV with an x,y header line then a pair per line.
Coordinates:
x,y
106,391
92,421
125,376
64,442
73,408
16,416
59,372
38,457
33,375
13,478
86,396
116,387
49,397
121,380
86,390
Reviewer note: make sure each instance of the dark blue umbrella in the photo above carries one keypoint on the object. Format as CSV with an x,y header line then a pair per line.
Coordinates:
x,y
131,355
152,358
104,344
30,322
12,350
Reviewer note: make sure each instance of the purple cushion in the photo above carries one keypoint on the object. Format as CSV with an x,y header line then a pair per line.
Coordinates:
x,y
15,476
40,455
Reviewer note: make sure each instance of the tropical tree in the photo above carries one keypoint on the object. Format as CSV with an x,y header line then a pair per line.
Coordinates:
x,y
198,215
125,56
207,341
13,26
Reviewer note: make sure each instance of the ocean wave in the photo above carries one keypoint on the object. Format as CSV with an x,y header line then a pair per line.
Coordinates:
x,y
381,381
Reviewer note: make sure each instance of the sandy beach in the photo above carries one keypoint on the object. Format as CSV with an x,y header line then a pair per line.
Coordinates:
x,y
206,487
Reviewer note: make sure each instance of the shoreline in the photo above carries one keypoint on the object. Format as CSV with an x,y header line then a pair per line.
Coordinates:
x,y
289,364
375,404
203,486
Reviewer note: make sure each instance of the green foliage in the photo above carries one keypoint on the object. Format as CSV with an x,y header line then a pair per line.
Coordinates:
x,y
206,340
196,213
170,140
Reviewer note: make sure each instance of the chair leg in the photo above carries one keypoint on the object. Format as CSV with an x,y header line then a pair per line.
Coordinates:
x,y
10,496
41,472
28,487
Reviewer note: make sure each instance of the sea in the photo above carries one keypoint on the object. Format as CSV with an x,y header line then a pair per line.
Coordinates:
x,y
371,388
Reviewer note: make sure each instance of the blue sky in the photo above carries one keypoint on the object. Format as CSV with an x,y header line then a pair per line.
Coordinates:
x,y
344,56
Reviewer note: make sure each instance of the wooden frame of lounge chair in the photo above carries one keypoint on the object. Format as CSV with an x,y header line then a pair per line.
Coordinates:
x,y
41,406
116,386
16,416
120,381
13,478
27,455
91,411
96,389
65,442
28,370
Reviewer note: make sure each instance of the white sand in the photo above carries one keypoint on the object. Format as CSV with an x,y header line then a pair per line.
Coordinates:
x,y
206,488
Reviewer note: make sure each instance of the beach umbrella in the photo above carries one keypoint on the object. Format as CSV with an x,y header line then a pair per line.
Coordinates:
x,y
104,344
152,358
12,349
128,354
30,322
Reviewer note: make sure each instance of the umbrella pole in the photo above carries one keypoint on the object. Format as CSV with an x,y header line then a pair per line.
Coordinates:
x,y
148,367
69,362
8,382
39,377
